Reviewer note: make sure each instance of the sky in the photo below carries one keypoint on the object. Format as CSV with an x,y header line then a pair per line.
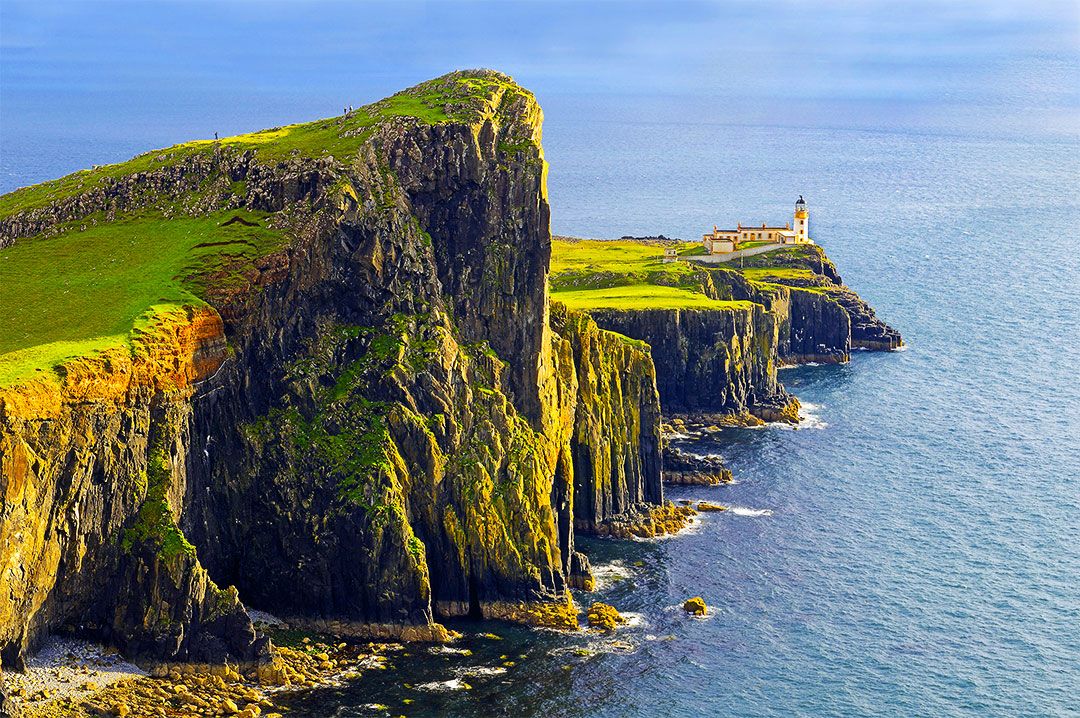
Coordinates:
x,y
84,82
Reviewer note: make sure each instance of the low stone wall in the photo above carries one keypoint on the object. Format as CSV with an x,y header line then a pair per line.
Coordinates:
x,y
719,259
728,256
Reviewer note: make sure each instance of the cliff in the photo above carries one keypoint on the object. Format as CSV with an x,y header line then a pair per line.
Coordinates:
x,y
819,303
615,446
708,360
343,398
718,335
315,370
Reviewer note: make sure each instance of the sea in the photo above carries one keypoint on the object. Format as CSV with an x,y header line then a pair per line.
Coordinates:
x,y
913,547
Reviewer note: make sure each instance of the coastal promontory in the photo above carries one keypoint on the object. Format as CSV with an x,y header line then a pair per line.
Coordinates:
x,y
339,372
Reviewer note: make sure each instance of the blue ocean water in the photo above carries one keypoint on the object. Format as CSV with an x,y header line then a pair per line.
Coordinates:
x,y
915,548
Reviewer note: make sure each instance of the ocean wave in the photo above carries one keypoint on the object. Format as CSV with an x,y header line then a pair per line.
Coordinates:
x,y
744,511
450,651
607,574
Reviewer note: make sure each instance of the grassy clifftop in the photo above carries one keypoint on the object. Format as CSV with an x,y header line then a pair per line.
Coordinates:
x,y
96,273
631,274
626,274
83,291
457,97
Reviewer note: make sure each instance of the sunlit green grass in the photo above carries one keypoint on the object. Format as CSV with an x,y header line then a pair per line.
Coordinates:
x,y
81,291
595,264
764,273
642,297
623,274
339,137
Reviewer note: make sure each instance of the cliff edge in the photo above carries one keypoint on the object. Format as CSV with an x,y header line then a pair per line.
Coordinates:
x,y
314,365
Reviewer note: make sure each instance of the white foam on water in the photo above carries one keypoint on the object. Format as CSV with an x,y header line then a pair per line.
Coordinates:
x,y
744,511
449,651
609,645
454,684
480,671
633,619
809,417
607,574
372,662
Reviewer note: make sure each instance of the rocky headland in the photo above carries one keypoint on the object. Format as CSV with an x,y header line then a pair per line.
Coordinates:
x,y
345,397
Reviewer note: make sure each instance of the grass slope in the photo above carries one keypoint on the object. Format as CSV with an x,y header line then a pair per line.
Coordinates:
x,y
624,274
81,291
642,297
451,98
78,292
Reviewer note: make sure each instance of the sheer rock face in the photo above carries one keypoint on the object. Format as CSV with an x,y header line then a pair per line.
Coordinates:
x,y
724,361
383,431
616,442
707,360
78,548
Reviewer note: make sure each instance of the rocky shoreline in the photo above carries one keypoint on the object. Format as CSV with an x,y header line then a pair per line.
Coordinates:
x,y
79,679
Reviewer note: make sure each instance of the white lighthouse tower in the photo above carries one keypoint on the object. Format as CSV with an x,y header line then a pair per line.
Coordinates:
x,y
802,232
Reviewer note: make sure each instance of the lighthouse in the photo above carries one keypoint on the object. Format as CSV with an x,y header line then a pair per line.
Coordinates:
x,y
802,233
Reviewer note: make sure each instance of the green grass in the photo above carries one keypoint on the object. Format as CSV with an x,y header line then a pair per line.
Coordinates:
x,y
798,256
765,273
642,297
455,97
601,255
623,274
82,291
601,264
